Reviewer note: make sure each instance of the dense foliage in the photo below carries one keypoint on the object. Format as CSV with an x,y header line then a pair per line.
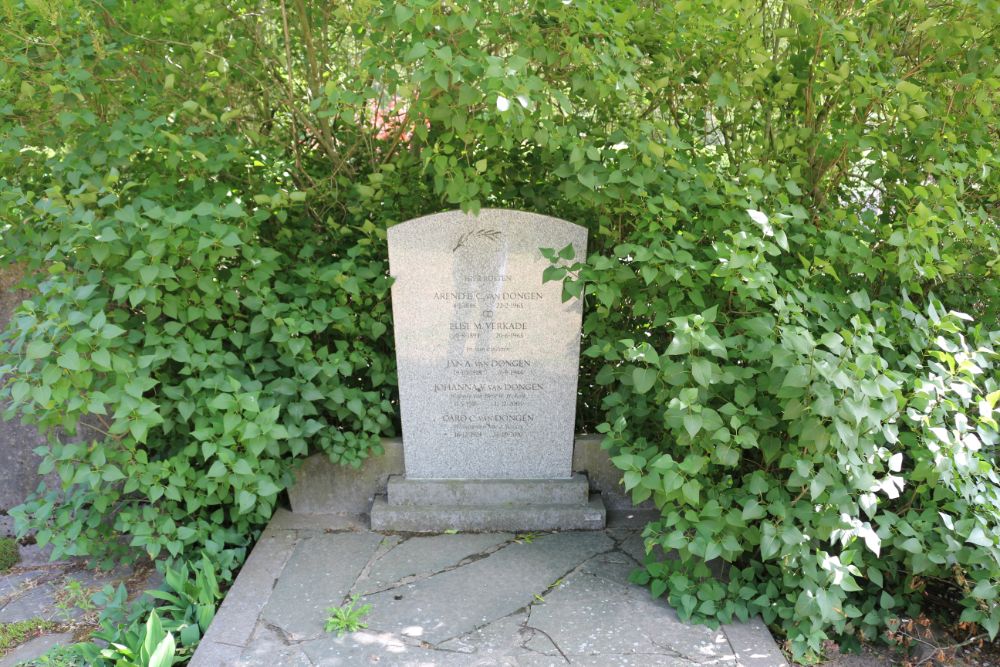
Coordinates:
x,y
790,205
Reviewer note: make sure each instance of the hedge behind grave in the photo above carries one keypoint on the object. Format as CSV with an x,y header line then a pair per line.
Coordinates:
x,y
789,297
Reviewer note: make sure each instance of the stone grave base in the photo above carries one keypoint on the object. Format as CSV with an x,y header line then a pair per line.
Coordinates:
x,y
461,600
438,505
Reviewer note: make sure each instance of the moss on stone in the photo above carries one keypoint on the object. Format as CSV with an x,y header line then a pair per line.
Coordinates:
x,y
9,556
14,634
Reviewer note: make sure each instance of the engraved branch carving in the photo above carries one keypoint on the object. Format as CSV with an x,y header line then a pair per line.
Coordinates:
x,y
490,234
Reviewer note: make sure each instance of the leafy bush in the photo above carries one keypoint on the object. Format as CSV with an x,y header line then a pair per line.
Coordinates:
x,y
183,330
184,607
788,203
836,455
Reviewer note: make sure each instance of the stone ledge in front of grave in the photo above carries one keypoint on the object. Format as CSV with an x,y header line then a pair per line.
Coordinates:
x,y
488,492
322,487
484,519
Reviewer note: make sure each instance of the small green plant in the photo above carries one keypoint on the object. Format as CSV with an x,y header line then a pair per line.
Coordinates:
x,y
527,538
190,600
154,647
61,656
347,618
15,634
74,596
9,556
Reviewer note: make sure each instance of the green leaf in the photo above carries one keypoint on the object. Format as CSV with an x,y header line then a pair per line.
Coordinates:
x,y
112,474
567,252
753,510
979,537
70,360
643,379
102,358
242,467
148,274
692,423
246,501
553,273
110,331
38,349
701,371
797,376
860,300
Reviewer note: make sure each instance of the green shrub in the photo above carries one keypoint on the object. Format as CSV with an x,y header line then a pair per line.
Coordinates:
x,y
9,555
184,606
788,204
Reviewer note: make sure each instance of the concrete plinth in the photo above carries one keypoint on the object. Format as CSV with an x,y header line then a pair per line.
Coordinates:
x,y
487,505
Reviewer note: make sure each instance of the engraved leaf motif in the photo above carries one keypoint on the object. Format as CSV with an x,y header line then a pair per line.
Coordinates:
x,y
489,234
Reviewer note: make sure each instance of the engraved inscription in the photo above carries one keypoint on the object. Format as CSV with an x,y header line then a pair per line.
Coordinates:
x,y
487,353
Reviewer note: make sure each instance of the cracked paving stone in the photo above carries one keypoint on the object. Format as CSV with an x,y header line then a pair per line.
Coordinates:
x,y
318,575
290,656
36,602
453,603
370,648
11,583
632,660
35,648
267,648
595,612
421,556
501,638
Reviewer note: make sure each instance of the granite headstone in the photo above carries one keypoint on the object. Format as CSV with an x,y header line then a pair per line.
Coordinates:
x,y
488,358
487,354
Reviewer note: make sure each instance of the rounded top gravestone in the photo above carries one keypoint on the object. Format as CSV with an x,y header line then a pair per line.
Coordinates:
x,y
487,354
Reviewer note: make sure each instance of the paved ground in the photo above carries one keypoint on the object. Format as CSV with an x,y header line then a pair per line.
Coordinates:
x,y
459,599
57,593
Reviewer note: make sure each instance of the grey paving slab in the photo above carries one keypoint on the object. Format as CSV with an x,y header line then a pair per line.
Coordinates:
x,y
753,644
364,647
455,602
38,602
94,580
285,520
237,615
633,660
319,574
214,654
35,648
504,637
33,555
269,647
422,556
288,656
13,582
472,603
596,612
